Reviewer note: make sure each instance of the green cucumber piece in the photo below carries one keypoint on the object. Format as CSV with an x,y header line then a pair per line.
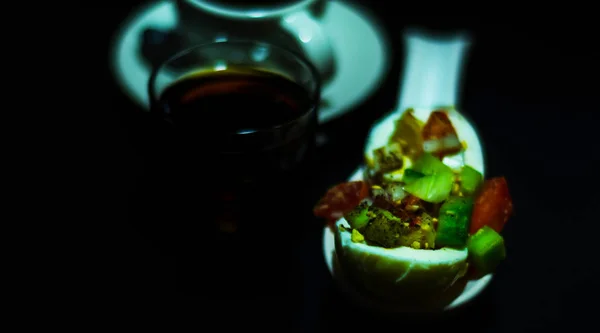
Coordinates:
x,y
433,188
411,175
470,179
358,217
454,222
427,164
486,250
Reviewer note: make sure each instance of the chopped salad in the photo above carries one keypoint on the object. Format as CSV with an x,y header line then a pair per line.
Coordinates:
x,y
409,197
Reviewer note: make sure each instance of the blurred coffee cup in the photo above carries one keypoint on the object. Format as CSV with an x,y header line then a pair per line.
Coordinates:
x,y
293,24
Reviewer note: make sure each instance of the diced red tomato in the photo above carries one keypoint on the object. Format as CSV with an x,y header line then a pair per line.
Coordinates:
x,y
341,199
493,206
407,209
439,136
411,200
438,126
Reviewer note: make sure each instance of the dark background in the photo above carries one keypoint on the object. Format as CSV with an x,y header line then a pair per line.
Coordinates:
x,y
530,87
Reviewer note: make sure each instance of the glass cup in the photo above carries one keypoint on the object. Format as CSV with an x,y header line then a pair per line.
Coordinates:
x,y
242,118
294,24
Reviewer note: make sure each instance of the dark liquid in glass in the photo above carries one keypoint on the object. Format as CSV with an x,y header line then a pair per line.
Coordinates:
x,y
242,150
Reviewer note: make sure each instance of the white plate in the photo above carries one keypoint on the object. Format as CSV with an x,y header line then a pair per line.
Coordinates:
x,y
360,46
471,289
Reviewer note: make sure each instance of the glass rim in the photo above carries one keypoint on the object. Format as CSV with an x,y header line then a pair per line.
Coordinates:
x,y
316,94
251,14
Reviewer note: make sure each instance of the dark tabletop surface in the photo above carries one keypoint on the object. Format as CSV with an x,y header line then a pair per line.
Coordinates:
x,y
530,87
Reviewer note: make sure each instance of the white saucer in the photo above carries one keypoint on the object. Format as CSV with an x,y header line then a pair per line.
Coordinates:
x,y
470,291
360,46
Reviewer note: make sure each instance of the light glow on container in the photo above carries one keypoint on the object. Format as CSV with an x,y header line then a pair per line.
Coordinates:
x,y
220,65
